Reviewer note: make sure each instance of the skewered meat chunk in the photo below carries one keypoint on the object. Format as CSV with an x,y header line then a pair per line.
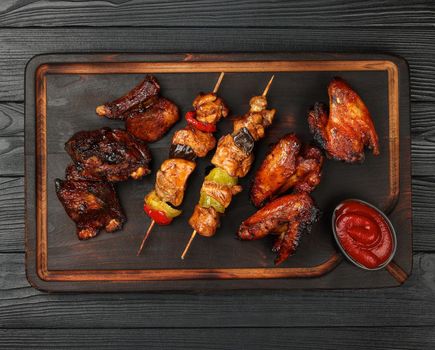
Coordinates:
x,y
171,180
204,220
220,192
109,155
288,216
144,92
91,205
151,123
289,164
348,129
201,142
209,108
231,158
257,119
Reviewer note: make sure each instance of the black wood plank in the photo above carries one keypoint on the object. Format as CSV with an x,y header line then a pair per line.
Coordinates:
x,y
216,13
414,44
11,119
413,304
228,338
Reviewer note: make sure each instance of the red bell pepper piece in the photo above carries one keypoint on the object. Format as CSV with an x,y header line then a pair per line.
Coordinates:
x,y
158,216
206,127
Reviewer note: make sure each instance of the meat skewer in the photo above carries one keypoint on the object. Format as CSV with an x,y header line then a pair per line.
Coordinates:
x,y
195,140
233,159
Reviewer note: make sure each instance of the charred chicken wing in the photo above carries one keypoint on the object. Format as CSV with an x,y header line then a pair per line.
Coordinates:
x,y
348,128
289,164
287,216
150,124
91,205
108,155
143,93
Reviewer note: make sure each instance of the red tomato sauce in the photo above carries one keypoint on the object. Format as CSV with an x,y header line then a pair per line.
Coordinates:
x,y
363,233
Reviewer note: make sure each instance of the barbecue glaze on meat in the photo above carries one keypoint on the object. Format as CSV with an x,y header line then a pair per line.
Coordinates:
x,y
91,205
209,108
287,216
348,128
289,164
108,155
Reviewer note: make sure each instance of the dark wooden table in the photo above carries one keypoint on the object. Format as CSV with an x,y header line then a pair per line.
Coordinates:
x,y
385,318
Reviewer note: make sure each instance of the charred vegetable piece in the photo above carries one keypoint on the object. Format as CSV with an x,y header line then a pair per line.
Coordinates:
x,y
220,176
205,127
154,202
182,151
244,140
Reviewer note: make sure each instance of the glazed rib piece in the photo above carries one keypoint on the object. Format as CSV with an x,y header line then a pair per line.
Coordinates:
x,y
287,216
150,123
91,205
143,93
289,164
107,155
348,128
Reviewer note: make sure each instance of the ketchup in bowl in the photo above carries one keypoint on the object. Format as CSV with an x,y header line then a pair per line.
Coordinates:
x,y
364,234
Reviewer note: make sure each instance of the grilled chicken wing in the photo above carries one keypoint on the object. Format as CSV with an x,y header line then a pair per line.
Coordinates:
x,y
143,93
171,179
201,142
204,220
151,123
108,155
348,128
288,216
289,164
209,108
91,205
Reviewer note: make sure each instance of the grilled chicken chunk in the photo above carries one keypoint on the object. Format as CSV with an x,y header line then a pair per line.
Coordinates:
x,y
204,220
151,123
288,164
201,142
222,193
143,93
171,180
257,119
288,216
348,128
231,158
209,108
108,155
91,205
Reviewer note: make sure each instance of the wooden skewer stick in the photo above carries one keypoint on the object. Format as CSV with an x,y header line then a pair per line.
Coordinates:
x,y
188,244
218,83
150,227
266,90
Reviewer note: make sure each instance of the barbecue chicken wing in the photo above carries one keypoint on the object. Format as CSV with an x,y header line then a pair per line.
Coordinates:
x,y
348,128
151,123
287,216
91,205
289,164
171,179
144,93
108,155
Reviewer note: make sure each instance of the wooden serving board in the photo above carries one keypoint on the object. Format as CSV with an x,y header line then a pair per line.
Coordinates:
x,y
62,92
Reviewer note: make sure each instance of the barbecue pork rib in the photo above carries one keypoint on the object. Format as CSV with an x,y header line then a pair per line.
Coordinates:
x,y
107,155
91,205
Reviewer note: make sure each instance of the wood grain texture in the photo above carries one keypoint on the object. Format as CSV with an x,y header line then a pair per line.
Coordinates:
x,y
11,119
413,304
206,13
357,338
414,44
